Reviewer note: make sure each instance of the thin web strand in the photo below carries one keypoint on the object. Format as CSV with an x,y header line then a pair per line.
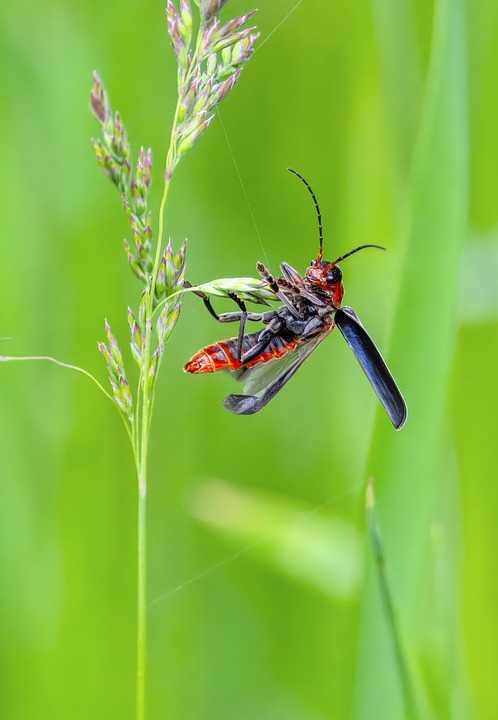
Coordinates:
x,y
252,546
284,19
243,187
277,27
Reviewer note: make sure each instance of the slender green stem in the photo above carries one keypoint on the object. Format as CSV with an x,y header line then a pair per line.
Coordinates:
x,y
141,596
142,442
142,448
161,227
144,411
145,403
387,601
48,358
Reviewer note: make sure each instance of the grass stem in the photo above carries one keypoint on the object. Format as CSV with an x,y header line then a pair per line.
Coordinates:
x,y
141,596
388,604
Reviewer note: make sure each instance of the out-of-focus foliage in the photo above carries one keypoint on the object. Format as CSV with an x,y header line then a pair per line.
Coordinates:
x,y
263,600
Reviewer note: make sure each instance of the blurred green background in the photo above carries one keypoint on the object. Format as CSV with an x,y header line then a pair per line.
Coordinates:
x,y
264,603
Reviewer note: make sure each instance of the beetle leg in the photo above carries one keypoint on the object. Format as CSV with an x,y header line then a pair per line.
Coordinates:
x,y
205,299
232,316
305,328
274,287
264,339
243,318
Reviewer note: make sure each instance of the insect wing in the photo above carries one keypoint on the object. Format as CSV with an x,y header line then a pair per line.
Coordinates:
x,y
372,364
263,381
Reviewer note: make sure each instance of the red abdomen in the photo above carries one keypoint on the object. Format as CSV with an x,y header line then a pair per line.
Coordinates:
x,y
223,355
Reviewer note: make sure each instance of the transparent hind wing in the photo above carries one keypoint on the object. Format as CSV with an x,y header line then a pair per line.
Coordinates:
x,y
263,381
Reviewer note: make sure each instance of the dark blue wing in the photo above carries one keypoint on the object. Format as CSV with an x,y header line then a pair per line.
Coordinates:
x,y
372,364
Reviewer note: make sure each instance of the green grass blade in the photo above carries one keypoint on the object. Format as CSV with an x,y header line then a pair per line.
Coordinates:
x,y
408,466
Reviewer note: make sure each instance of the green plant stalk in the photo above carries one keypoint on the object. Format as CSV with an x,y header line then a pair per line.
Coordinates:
x,y
141,589
141,444
205,77
147,405
144,410
141,461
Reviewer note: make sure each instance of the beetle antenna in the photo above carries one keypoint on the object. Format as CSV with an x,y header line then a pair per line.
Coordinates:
x,y
319,215
352,252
